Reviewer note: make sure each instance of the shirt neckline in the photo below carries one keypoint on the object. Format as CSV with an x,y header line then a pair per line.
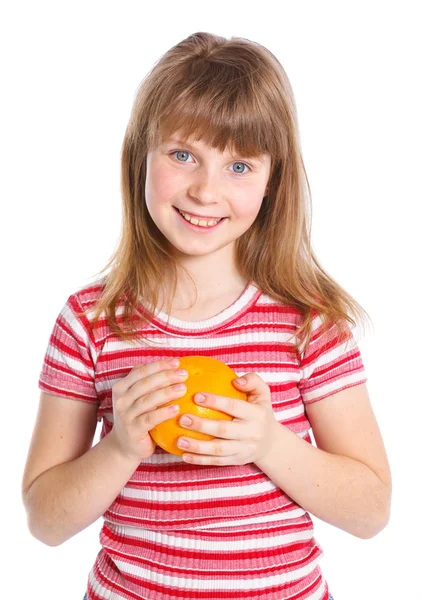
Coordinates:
x,y
179,327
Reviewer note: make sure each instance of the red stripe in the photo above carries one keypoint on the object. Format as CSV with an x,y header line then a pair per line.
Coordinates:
x,y
196,504
56,391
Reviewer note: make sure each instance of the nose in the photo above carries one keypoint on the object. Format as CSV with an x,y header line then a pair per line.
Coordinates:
x,y
206,186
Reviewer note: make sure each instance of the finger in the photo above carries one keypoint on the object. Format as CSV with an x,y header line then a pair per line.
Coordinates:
x,y
254,386
155,417
212,447
219,428
155,400
156,382
203,459
140,372
232,406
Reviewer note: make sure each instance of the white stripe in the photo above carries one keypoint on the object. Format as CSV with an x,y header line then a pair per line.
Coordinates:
x,y
290,413
332,387
201,494
239,338
175,541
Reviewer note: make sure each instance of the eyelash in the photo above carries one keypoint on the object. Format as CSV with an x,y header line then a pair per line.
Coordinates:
x,y
237,162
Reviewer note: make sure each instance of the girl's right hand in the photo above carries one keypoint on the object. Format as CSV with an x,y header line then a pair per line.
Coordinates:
x,y
137,399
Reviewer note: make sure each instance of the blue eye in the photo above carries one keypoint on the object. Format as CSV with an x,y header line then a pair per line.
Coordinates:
x,y
186,152
244,164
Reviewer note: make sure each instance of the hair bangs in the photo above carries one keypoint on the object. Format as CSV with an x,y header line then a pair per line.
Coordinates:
x,y
221,111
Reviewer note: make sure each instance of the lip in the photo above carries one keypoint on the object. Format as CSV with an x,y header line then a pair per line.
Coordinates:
x,y
197,227
199,216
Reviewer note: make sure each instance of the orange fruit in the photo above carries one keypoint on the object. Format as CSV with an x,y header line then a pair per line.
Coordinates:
x,y
205,375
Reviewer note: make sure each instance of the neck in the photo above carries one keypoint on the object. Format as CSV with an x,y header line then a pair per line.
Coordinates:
x,y
213,275
205,287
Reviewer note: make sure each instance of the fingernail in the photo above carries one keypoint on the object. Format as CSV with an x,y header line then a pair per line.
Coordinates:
x,y
240,380
200,398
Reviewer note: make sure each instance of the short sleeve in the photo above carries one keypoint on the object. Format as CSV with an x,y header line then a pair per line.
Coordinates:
x,y
332,362
69,361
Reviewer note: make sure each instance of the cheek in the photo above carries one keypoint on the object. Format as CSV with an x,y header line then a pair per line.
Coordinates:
x,y
248,206
160,185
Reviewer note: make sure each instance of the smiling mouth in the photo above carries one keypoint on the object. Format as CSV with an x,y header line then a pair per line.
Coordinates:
x,y
199,221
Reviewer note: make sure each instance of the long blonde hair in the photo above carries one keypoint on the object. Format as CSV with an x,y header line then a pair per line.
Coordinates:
x,y
230,93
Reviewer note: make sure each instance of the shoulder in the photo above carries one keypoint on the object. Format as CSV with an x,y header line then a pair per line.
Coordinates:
x,y
88,294
76,316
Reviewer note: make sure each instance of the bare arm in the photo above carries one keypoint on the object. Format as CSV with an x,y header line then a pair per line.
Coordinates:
x,y
346,480
67,485
71,496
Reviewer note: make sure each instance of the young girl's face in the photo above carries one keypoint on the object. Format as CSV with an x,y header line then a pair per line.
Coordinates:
x,y
200,180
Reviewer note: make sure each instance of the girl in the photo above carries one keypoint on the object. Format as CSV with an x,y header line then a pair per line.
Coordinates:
x,y
215,259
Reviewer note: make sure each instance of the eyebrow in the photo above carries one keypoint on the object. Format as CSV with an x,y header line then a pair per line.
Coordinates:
x,y
187,144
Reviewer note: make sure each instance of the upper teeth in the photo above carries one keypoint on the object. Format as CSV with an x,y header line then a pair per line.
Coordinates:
x,y
200,222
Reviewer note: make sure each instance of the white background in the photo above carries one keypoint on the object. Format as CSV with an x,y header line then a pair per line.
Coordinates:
x,y
70,71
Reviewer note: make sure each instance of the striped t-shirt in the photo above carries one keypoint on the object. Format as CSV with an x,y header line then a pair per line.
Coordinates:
x,y
178,530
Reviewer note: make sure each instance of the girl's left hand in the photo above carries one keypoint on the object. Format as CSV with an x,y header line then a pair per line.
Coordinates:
x,y
245,439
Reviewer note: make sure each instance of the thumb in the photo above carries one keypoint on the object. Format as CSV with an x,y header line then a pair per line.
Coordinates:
x,y
255,387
